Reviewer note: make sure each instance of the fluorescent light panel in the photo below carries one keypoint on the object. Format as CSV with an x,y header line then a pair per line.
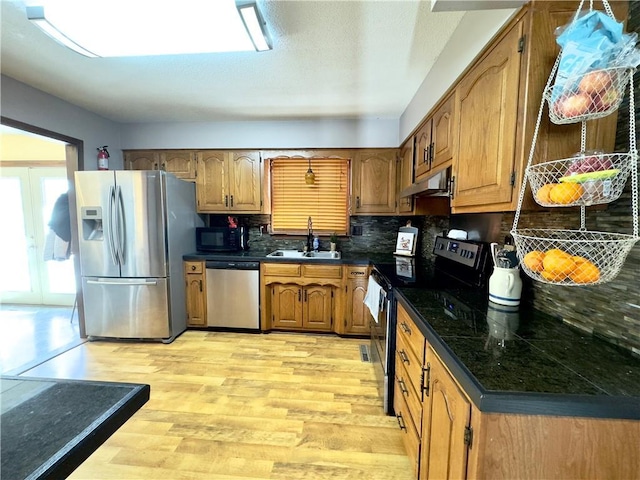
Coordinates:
x,y
118,28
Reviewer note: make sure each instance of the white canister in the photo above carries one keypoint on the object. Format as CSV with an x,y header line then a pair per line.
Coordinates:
x,y
505,286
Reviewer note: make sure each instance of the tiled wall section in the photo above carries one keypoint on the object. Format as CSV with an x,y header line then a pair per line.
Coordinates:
x,y
379,234
610,310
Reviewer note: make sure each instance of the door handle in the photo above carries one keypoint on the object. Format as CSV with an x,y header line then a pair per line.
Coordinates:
x,y
112,222
299,295
122,233
226,200
115,282
232,200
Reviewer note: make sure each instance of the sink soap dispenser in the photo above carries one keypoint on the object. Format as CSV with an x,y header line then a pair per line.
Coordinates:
x,y
316,244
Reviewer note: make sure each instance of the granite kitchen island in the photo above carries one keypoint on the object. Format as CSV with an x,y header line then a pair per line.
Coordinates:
x,y
50,426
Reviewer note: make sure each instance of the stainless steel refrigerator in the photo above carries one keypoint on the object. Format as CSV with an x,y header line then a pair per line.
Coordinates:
x,y
133,228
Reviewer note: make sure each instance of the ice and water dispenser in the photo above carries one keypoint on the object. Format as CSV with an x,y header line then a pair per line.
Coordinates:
x,y
92,223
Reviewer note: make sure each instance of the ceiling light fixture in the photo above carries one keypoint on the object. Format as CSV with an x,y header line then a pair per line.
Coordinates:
x,y
310,177
149,27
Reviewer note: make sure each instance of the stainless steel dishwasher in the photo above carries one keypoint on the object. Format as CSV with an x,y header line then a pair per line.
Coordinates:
x,y
233,294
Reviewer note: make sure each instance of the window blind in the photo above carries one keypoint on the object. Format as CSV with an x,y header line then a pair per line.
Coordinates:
x,y
326,201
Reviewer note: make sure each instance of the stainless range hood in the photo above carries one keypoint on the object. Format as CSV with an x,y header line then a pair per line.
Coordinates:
x,y
436,185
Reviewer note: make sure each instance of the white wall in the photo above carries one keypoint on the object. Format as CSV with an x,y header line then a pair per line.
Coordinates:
x,y
474,32
34,107
343,133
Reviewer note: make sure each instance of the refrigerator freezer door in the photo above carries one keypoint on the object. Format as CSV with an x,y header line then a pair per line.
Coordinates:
x,y
127,308
141,232
95,199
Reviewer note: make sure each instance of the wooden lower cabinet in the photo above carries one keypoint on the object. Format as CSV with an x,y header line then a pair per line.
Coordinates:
x,y
196,293
446,423
300,296
453,439
357,316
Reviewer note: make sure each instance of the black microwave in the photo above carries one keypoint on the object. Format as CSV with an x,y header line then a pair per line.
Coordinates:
x,y
218,239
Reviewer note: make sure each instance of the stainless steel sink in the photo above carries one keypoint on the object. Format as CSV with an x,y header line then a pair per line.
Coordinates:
x,y
304,255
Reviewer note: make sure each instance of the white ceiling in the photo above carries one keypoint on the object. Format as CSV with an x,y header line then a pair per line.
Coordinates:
x,y
330,59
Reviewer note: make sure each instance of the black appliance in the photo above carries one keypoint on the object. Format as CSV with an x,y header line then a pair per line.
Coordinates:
x,y
457,265
218,239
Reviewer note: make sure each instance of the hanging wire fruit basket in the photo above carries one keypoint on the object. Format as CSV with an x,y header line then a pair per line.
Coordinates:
x,y
592,95
585,179
579,257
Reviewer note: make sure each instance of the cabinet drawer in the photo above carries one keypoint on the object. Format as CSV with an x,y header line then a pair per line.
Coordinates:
x,y
356,272
412,399
408,329
322,271
408,359
282,269
410,436
193,267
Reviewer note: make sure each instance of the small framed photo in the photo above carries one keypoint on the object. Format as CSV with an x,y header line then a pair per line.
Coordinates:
x,y
405,244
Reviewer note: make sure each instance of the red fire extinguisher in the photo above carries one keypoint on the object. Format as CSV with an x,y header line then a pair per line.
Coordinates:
x,y
103,158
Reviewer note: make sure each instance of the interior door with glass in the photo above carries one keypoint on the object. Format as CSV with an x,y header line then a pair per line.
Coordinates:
x,y
28,195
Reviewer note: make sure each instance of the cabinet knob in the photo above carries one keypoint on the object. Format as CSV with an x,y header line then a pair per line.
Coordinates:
x,y
193,267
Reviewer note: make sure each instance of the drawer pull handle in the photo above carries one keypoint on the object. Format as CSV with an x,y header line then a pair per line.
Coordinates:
x,y
405,328
401,422
404,357
403,387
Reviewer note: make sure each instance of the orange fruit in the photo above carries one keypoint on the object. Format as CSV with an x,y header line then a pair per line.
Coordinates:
x,y
533,260
566,193
553,277
558,263
585,272
542,195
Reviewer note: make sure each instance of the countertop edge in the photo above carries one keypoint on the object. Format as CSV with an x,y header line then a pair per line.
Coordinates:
x,y
488,401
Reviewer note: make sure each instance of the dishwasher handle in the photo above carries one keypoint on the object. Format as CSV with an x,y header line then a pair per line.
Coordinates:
x,y
231,265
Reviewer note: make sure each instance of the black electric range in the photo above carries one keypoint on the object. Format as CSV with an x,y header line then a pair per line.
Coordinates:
x,y
458,268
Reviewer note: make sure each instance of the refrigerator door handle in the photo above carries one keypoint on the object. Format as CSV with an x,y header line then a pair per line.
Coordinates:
x,y
120,226
112,223
124,282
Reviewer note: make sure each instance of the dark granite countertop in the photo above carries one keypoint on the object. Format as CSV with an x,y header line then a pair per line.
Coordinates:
x,y
49,426
521,360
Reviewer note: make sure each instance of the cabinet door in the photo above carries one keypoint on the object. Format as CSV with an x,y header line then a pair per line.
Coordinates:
x,y
487,109
141,160
317,308
196,296
286,306
405,204
444,454
422,141
179,162
443,132
211,181
357,321
374,181
245,181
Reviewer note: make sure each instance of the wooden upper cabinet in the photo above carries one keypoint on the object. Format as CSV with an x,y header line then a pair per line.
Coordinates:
x,y
405,176
245,181
374,182
487,121
422,152
228,181
181,163
443,131
141,160
211,181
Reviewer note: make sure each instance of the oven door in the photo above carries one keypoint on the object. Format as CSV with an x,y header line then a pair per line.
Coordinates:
x,y
382,330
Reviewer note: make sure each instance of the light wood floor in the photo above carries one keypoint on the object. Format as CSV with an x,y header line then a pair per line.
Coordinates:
x,y
31,334
242,406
